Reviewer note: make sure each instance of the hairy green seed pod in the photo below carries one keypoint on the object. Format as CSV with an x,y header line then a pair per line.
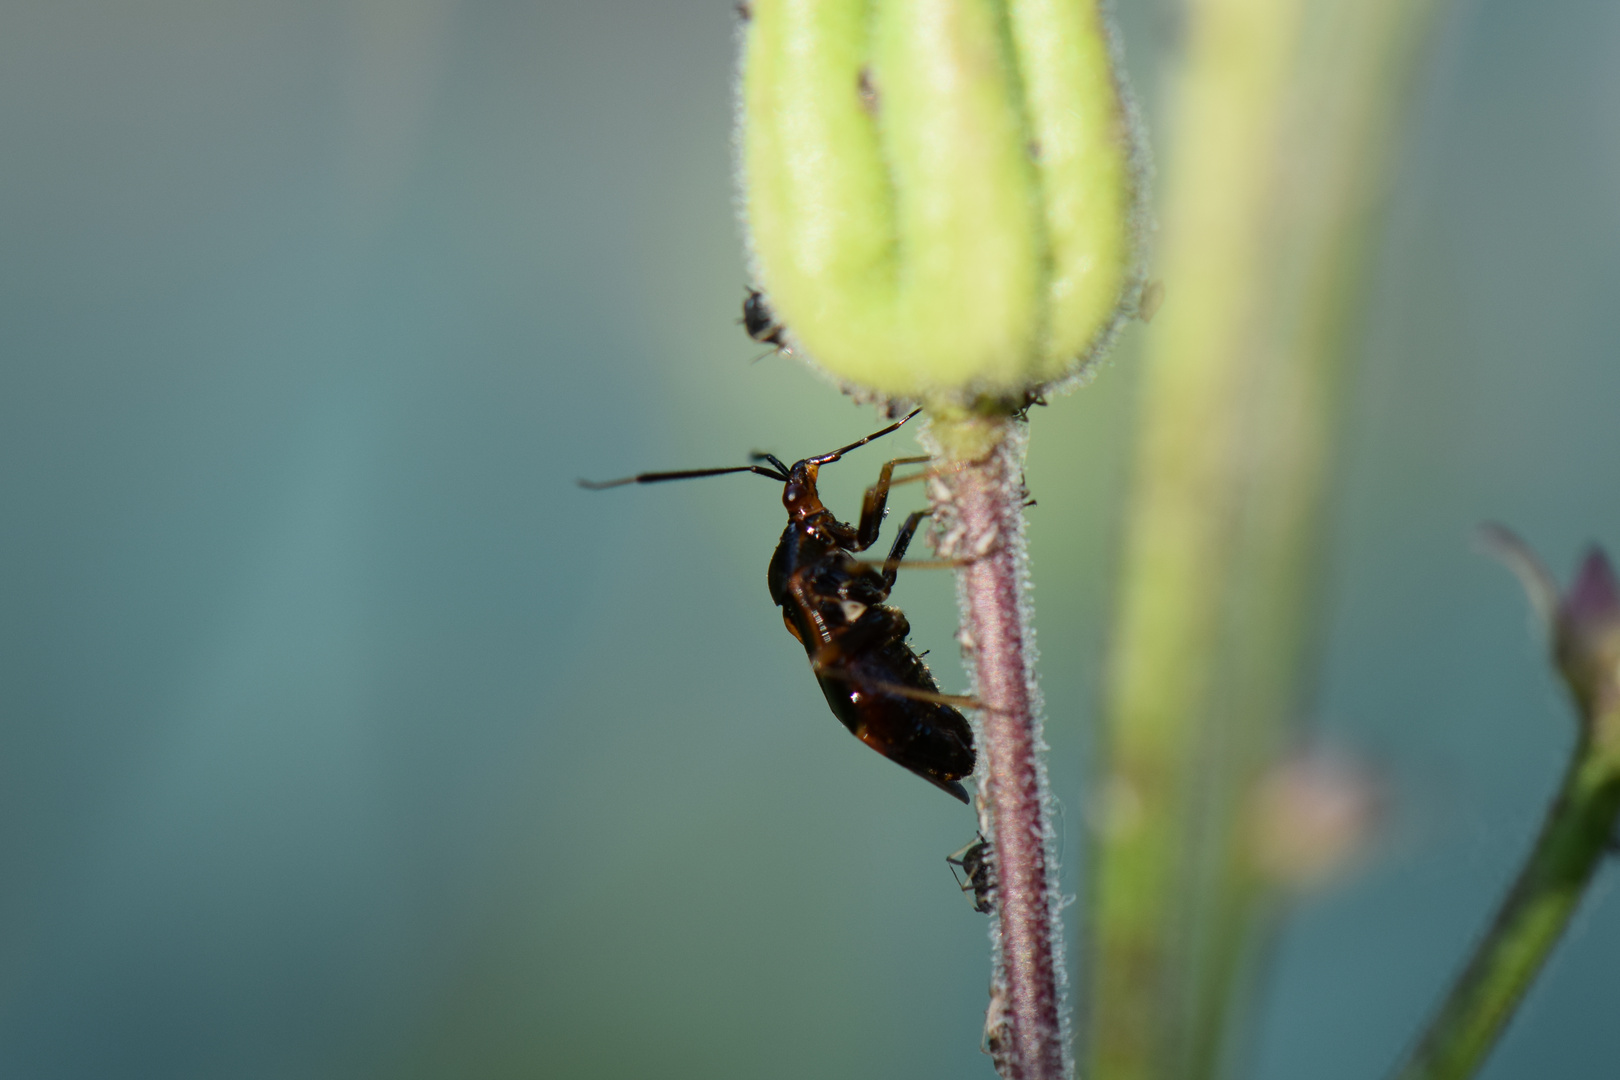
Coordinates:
x,y
941,193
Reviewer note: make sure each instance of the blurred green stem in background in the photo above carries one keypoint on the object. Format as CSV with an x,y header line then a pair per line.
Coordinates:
x,y
1282,119
1577,834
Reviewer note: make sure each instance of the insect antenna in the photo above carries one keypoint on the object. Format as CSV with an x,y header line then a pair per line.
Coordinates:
x,y
685,474
834,455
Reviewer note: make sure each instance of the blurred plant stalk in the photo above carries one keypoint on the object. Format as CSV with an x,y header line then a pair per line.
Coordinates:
x,y
1282,119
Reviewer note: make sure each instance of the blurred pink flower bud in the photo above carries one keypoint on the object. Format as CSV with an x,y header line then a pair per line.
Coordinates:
x,y
1311,817
1586,636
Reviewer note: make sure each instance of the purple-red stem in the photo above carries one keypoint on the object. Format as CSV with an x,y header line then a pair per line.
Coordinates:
x,y
1025,1031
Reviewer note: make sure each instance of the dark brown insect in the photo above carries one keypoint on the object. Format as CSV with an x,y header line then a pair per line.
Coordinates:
x,y
760,321
832,602
978,873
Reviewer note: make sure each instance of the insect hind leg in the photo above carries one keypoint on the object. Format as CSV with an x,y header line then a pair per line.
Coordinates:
x,y
875,626
894,689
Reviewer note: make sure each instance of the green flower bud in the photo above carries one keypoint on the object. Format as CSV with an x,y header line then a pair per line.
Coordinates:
x,y
941,193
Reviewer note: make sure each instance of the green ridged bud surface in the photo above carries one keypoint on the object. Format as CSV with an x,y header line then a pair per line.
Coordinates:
x,y
940,193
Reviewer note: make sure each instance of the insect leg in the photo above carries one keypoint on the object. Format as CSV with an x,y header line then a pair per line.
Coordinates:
x,y
946,469
897,555
877,497
800,592
876,626
917,564
835,646
893,689
902,541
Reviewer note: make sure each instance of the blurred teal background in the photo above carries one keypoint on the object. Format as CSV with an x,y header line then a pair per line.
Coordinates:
x,y
342,736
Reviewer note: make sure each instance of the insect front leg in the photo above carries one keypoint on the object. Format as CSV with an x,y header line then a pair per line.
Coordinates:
x,y
902,541
863,627
808,601
877,498
897,555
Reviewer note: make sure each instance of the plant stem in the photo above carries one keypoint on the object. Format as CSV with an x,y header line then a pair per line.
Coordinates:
x,y
1026,1030
1280,140
1573,840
